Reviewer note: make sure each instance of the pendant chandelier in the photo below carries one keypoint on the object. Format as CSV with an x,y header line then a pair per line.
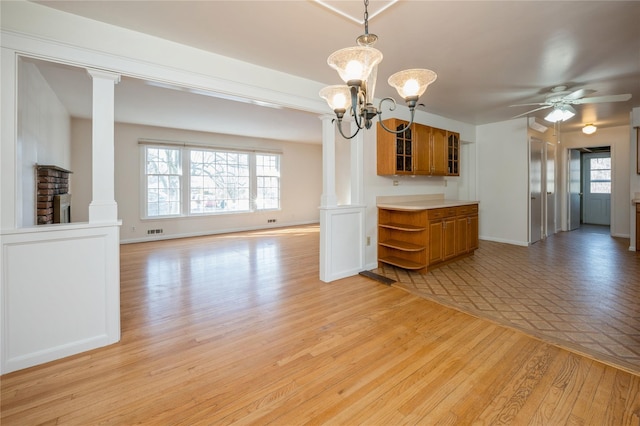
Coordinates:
x,y
358,68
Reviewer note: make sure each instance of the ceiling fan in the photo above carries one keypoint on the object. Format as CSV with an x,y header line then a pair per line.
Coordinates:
x,y
561,100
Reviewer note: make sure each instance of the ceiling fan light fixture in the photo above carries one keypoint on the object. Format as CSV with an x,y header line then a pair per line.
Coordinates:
x,y
560,113
589,129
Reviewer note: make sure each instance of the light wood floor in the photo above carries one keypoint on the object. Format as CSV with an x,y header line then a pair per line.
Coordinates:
x,y
238,329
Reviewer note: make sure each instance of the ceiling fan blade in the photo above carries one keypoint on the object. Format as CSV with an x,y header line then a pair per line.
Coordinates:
x,y
598,99
580,93
533,104
533,110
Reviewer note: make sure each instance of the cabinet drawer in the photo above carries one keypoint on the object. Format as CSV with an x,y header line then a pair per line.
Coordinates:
x,y
465,210
441,213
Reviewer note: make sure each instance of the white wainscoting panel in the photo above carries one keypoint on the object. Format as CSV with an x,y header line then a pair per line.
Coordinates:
x,y
60,293
341,242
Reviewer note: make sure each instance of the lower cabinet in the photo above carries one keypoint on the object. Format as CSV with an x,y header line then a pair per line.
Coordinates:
x,y
419,239
402,238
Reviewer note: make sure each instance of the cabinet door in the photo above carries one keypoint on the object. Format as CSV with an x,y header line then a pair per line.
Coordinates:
x,y
394,151
435,241
462,235
438,152
472,229
449,238
453,154
386,149
422,149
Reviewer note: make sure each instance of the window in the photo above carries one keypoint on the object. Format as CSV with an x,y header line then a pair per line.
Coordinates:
x,y
163,179
218,181
268,182
600,182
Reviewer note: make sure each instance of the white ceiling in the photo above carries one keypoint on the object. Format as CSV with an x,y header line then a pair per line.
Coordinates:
x,y
488,55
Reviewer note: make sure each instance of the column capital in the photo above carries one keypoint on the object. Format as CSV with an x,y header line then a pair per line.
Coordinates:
x,y
105,75
327,117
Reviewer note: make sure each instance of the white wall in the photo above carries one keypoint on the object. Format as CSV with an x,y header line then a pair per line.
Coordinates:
x,y
43,136
503,181
618,139
301,180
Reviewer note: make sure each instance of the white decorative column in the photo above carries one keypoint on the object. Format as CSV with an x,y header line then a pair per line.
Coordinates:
x,y
357,169
341,227
329,197
103,207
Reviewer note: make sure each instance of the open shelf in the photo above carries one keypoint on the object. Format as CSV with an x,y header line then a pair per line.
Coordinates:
x,y
402,263
402,227
402,245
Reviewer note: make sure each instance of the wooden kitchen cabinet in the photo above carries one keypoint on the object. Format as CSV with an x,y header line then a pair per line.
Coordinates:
x,y
395,151
453,154
402,239
466,229
438,147
419,150
421,239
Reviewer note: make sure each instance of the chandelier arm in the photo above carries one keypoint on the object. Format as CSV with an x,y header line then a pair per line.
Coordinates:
x,y
356,101
345,136
397,132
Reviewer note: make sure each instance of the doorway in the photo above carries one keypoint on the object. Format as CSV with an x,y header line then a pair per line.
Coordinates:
x,y
589,184
596,177
542,190
535,190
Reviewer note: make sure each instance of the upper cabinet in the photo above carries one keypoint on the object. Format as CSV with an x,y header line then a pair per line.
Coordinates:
x,y
417,150
453,154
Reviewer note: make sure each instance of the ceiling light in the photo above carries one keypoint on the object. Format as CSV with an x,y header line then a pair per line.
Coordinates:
x,y
560,113
589,129
358,68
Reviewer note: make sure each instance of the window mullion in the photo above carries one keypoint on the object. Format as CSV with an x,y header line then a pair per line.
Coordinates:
x,y
253,182
185,182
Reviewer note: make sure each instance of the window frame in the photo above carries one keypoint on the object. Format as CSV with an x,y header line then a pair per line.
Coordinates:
x,y
185,151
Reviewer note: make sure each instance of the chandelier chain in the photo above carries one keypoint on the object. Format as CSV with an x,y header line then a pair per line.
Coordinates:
x,y
366,17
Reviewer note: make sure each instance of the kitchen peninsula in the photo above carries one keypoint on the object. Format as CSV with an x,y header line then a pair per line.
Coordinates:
x,y
420,232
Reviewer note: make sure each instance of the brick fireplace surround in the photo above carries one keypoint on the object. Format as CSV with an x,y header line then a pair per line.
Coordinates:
x,y
51,181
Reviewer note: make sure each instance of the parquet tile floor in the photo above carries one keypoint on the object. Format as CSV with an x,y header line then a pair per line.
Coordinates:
x,y
579,290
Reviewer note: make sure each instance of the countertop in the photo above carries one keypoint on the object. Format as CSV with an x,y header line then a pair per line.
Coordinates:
x,y
424,204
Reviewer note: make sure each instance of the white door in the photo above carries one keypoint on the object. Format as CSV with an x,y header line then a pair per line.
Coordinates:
x,y
550,172
535,190
574,189
596,169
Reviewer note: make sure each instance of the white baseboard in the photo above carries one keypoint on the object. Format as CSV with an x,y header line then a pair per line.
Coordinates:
x,y
213,232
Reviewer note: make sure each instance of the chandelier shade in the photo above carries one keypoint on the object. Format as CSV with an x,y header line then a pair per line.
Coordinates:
x,y
411,83
338,97
358,68
355,63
